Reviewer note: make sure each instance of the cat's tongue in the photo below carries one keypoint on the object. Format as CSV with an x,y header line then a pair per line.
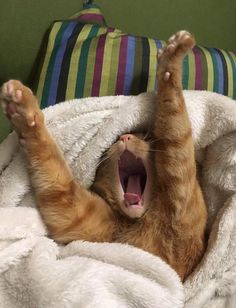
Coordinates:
x,y
133,191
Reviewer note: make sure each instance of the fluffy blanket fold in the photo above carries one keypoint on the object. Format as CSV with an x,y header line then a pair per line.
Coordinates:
x,y
36,272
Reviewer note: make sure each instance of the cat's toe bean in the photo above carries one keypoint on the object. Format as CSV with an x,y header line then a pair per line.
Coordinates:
x,y
171,48
18,95
11,108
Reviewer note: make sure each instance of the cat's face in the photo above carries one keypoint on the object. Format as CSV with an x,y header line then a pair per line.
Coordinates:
x,y
123,178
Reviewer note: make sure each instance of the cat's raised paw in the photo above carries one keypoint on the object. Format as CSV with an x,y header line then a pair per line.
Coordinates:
x,y
19,104
180,43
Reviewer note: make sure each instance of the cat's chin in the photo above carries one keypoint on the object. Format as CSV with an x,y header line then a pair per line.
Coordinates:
x,y
134,210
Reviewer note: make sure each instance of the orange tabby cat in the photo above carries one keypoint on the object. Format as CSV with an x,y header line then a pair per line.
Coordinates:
x,y
146,193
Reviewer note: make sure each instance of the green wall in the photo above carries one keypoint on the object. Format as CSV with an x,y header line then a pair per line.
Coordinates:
x,y
23,24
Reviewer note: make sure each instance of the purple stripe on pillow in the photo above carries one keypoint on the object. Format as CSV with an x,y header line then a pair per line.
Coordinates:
x,y
129,72
58,62
122,65
198,66
94,17
98,65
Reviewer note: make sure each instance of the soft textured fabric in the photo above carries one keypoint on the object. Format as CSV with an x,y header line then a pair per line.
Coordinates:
x,y
35,272
85,58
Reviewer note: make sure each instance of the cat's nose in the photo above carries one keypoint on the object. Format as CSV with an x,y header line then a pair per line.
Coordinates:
x,y
125,138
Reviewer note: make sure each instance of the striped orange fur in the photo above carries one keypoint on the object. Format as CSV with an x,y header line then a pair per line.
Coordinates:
x,y
145,192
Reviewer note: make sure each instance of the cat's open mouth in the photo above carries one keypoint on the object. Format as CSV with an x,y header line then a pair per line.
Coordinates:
x,y
133,179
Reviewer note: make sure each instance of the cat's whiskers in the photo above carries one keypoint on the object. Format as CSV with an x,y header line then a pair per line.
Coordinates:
x,y
155,150
108,156
145,137
149,150
153,140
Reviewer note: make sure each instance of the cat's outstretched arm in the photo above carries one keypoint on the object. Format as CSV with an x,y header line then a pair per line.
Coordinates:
x,y
67,208
177,188
175,163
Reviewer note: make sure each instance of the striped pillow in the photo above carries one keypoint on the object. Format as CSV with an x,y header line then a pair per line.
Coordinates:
x,y
210,69
90,60
86,58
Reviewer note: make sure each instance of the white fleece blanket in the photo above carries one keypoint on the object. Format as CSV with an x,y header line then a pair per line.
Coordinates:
x,y
36,272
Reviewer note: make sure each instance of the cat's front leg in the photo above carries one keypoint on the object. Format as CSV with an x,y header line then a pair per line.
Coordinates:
x,y
175,162
68,209
44,158
181,198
